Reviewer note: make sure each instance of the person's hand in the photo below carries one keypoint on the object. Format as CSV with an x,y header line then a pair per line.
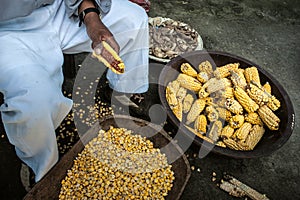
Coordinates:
x,y
144,3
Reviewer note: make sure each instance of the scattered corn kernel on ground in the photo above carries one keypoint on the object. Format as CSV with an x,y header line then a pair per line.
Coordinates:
x,y
265,32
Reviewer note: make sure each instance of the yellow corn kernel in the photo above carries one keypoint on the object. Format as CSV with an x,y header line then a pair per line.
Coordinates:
x,y
189,82
224,71
197,107
227,132
187,103
268,117
212,113
253,118
242,132
200,124
234,106
187,69
236,121
206,67
248,104
273,103
251,74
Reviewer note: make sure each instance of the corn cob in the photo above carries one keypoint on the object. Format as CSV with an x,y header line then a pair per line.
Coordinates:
x,y
236,121
200,124
248,104
251,74
224,71
254,136
232,144
253,118
212,113
242,132
171,97
238,79
177,110
189,82
234,106
202,77
197,107
203,93
221,144
206,67
227,93
227,132
181,93
268,117
118,66
224,113
273,103
257,94
187,69
214,84
187,103
267,87
175,85
215,130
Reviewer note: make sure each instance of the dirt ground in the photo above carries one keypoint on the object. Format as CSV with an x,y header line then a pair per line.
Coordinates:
x,y
265,32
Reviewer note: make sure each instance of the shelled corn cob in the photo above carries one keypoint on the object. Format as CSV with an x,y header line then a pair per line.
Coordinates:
x,y
230,95
118,165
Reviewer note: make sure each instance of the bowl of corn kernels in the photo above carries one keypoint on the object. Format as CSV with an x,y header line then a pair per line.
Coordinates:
x,y
120,158
226,104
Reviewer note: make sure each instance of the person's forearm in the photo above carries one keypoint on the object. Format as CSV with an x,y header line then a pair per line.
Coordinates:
x,y
90,17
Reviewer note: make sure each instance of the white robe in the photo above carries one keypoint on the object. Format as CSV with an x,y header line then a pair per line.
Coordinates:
x,y
31,58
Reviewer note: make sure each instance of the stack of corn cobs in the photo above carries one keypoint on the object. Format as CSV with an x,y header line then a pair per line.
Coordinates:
x,y
228,106
118,165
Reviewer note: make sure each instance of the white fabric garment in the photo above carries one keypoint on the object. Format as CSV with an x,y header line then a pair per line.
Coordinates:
x,y
31,56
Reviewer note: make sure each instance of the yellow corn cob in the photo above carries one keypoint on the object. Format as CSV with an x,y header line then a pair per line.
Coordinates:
x,y
236,121
209,101
175,85
254,136
224,71
199,134
197,107
232,144
224,113
248,104
200,124
238,79
251,74
189,82
267,87
187,69
221,144
212,113
257,94
214,84
181,93
268,117
215,130
206,67
273,103
227,132
187,103
253,118
171,97
234,106
202,77
203,93
227,93
177,110
242,132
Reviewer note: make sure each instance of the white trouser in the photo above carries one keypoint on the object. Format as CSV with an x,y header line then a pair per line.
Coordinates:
x,y
31,56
